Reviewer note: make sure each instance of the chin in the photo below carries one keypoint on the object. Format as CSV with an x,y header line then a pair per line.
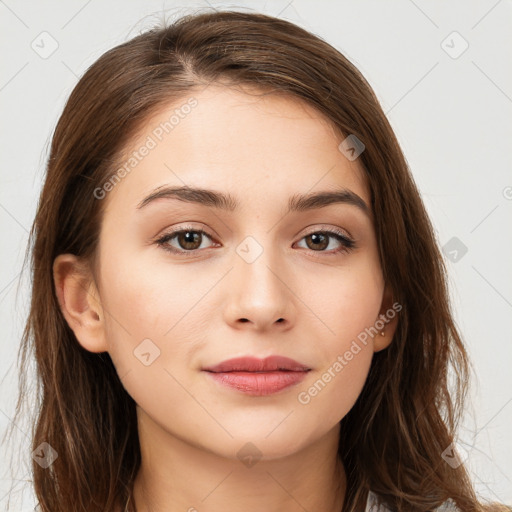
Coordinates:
x,y
267,447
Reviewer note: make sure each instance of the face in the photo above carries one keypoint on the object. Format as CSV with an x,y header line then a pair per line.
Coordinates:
x,y
186,282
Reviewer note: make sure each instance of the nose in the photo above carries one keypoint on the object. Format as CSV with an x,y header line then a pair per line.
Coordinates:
x,y
260,293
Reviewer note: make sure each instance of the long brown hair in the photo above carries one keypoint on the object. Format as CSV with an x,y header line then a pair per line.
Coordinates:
x,y
393,439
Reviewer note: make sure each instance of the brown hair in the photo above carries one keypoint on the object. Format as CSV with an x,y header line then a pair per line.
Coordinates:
x,y
406,416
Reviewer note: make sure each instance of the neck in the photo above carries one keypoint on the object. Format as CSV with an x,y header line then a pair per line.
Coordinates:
x,y
177,476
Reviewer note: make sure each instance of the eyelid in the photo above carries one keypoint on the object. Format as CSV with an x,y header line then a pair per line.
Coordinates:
x,y
327,228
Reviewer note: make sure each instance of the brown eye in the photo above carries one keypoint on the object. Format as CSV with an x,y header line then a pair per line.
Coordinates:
x,y
189,240
184,241
317,241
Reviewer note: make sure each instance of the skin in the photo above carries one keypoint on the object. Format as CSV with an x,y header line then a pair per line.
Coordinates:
x,y
261,150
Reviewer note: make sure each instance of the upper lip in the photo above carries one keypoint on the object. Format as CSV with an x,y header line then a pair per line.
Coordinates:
x,y
253,364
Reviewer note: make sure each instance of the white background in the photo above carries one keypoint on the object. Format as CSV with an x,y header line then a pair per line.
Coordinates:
x,y
452,117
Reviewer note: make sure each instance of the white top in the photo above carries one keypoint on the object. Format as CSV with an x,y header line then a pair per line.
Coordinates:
x,y
373,506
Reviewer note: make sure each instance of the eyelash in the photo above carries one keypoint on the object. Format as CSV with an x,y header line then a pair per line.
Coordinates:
x,y
347,244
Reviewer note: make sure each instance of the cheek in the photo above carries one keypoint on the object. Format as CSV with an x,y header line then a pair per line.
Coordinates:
x,y
347,308
142,300
334,389
145,309
152,330
345,302
345,354
157,318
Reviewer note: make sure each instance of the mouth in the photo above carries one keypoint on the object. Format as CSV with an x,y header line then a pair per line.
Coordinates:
x,y
258,377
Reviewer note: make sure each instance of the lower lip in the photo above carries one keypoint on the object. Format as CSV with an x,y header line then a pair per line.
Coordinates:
x,y
259,383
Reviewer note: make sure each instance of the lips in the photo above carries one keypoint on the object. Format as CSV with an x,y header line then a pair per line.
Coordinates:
x,y
258,377
253,364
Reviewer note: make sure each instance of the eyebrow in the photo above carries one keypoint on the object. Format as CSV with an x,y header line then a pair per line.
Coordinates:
x,y
222,201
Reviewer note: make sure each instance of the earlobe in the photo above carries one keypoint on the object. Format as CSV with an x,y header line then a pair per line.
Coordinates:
x,y
388,320
79,301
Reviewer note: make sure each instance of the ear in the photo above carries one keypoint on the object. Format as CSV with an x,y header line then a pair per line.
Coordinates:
x,y
388,315
79,301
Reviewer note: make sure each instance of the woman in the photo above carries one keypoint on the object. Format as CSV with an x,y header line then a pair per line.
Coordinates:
x,y
238,300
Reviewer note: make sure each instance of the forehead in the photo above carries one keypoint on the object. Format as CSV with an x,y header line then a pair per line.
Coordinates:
x,y
244,139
